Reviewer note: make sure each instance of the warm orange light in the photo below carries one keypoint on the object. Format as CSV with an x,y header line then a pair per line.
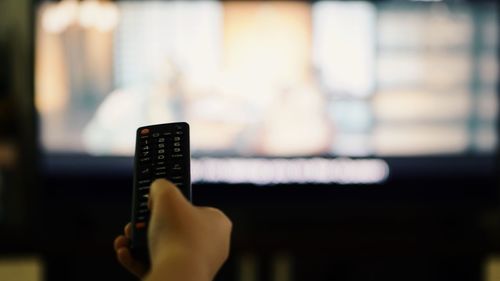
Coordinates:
x,y
271,40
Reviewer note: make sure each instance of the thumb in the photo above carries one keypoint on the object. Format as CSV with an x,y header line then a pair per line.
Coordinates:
x,y
166,200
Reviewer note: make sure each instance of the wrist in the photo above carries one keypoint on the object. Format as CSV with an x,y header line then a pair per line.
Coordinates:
x,y
178,265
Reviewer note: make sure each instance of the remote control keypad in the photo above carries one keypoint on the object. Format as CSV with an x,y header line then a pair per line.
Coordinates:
x,y
162,152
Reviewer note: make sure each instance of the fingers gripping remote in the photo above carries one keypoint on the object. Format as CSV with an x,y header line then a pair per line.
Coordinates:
x,y
161,151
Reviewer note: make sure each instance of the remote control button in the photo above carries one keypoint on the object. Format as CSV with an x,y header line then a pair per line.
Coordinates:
x,y
177,167
177,138
177,155
145,131
161,174
144,182
142,188
155,135
161,140
144,172
140,225
161,151
144,159
161,145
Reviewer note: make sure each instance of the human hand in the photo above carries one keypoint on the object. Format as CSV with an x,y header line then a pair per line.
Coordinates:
x,y
124,256
185,242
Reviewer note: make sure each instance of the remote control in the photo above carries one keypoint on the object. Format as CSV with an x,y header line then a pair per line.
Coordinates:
x,y
162,151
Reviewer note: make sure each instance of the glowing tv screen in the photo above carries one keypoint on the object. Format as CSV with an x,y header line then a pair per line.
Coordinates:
x,y
264,79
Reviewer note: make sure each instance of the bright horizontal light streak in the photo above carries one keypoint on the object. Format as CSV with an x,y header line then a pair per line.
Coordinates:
x,y
280,171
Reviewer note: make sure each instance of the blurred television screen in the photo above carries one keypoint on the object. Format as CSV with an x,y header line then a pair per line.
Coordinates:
x,y
270,78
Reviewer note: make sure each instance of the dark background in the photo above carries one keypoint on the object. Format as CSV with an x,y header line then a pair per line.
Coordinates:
x,y
414,227
436,218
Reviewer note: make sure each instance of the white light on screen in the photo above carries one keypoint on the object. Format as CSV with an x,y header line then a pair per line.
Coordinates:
x,y
56,18
156,39
344,45
420,139
433,28
298,170
421,106
101,15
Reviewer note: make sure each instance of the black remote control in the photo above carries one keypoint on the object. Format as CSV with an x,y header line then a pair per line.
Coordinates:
x,y
161,151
